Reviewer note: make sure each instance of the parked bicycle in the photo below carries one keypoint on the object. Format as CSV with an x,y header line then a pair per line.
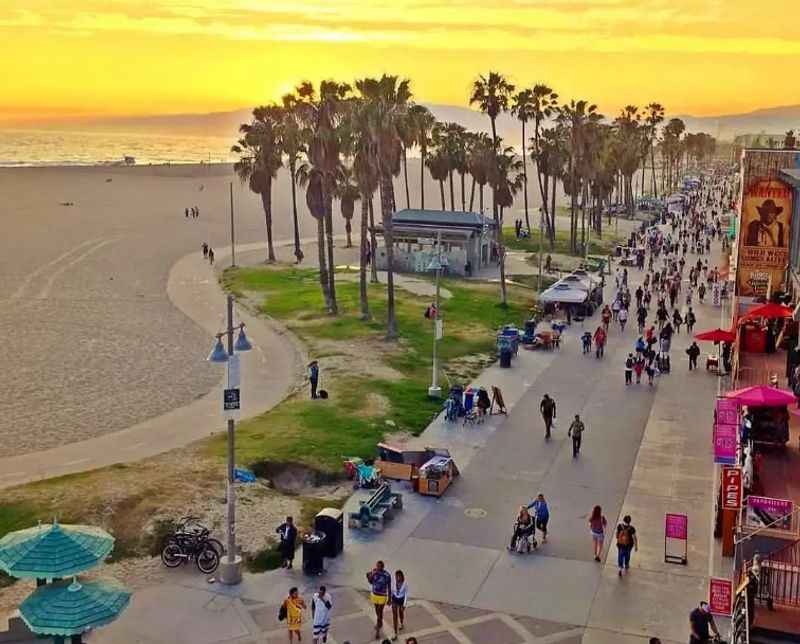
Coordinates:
x,y
192,540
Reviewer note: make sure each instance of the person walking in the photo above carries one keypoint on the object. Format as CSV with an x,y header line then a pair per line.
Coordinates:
x,y
399,600
542,514
693,352
623,318
211,256
321,606
599,342
690,320
288,539
205,250
677,320
700,621
576,430
187,213
597,528
292,610
381,588
548,410
626,542
313,377
629,369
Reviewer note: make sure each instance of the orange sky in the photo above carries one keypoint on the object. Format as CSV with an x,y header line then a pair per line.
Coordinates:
x,y
64,58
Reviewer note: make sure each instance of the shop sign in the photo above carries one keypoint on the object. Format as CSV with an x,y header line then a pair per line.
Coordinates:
x,y
725,439
731,488
720,596
676,526
763,511
727,411
716,294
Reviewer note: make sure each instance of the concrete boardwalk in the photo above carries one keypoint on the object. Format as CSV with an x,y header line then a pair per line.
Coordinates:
x,y
646,451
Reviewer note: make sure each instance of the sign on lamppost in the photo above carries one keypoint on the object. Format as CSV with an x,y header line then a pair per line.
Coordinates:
x,y
231,403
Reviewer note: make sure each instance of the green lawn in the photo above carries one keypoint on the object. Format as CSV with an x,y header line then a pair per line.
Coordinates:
x,y
597,245
319,433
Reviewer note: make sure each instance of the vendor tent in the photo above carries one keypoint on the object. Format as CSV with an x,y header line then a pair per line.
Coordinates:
x,y
716,335
770,311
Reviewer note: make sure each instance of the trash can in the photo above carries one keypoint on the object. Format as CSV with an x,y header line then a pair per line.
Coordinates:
x,y
330,521
505,357
314,553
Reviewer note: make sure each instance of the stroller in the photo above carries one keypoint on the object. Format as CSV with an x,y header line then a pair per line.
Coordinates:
x,y
454,405
362,475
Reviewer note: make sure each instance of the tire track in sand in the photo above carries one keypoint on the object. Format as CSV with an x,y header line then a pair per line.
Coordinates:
x,y
20,292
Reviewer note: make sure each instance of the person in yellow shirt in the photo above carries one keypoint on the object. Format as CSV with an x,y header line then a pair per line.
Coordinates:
x,y
294,605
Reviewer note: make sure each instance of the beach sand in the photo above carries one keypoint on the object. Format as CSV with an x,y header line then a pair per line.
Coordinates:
x,y
92,343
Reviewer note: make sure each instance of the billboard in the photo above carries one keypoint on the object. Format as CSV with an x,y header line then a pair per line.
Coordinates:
x,y
765,218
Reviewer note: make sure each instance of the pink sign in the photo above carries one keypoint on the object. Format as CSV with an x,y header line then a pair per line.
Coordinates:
x,y
720,596
727,412
676,526
725,443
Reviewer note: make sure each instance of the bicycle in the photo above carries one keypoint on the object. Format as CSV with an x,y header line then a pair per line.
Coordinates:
x,y
191,540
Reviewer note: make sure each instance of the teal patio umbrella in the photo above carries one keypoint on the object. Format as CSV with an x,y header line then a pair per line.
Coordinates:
x,y
53,551
69,609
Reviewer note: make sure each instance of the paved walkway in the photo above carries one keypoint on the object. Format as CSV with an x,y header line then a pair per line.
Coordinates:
x,y
269,373
646,451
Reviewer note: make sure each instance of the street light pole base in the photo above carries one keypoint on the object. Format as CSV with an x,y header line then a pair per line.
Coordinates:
x,y
435,392
230,572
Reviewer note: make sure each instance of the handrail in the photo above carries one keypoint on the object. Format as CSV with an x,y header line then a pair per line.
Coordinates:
x,y
778,575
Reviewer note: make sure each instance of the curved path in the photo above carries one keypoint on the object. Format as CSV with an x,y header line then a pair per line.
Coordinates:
x,y
268,374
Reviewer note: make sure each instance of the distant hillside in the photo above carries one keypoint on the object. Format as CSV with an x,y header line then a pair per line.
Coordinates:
x,y
225,124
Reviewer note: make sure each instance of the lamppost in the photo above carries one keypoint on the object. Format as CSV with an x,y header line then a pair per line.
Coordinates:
x,y
230,568
435,391
541,238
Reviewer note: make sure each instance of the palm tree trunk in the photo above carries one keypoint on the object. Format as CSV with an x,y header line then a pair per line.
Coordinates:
x,y
405,176
323,270
452,193
472,194
348,228
298,254
499,226
388,236
423,153
373,242
653,182
441,190
463,196
334,308
266,202
481,198
553,214
362,260
525,179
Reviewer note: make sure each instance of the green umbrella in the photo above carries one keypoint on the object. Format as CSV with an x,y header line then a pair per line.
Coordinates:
x,y
65,609
53,551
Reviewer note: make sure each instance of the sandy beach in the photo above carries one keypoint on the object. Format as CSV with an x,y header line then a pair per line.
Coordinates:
x,y
95,345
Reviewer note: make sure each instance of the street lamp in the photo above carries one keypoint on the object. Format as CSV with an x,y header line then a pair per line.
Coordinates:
x,y
435,391
230,568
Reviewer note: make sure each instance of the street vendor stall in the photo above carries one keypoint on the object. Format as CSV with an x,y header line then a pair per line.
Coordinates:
x,y
436,475
431,470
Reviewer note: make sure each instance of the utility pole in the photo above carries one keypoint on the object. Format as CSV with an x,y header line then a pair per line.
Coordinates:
x,y
233,243
435,391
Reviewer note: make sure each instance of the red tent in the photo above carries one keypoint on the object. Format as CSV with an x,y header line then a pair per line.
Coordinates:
x,y
770,311
716,335
762,396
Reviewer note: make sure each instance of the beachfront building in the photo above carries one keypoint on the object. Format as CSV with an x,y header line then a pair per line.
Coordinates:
x,y
467,241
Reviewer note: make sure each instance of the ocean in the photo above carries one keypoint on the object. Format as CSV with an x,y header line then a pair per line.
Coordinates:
x,y
57,147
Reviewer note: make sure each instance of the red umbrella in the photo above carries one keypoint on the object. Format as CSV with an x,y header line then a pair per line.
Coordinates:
x,y
716,335
770,311
762,396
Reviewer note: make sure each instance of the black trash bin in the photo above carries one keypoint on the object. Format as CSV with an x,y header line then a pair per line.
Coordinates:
x,y
330,521
314,553
505,358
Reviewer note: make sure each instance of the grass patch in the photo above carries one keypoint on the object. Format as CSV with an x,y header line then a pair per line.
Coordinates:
x,y
320,433
597,245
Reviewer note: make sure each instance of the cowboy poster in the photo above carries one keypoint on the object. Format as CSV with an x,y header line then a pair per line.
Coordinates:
x,y
764,237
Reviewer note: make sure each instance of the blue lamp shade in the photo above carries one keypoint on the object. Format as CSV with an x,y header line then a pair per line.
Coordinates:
x,y
242,343
218,353
435,264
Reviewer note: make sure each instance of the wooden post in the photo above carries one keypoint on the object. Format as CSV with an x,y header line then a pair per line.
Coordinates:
x,y
728,529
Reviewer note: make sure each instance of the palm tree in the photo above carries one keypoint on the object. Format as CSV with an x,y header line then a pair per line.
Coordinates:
x,y
654,116
629,144
479,163
439,167
408,138
524,109
551,156
347,192
545,104
294,147
422,122
451,139
789,140
387,100
259,150
322,115
492,94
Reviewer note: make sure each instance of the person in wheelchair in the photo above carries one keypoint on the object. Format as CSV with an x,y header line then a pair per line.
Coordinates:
x,y
524,527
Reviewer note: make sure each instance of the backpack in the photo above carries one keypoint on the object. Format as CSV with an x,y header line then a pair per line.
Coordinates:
x,y
282,612
624,536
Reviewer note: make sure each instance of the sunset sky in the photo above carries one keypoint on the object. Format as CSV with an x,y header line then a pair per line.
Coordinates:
x,y
68,58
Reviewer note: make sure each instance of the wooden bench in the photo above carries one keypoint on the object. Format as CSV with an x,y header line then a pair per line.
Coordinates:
x,y
378,507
